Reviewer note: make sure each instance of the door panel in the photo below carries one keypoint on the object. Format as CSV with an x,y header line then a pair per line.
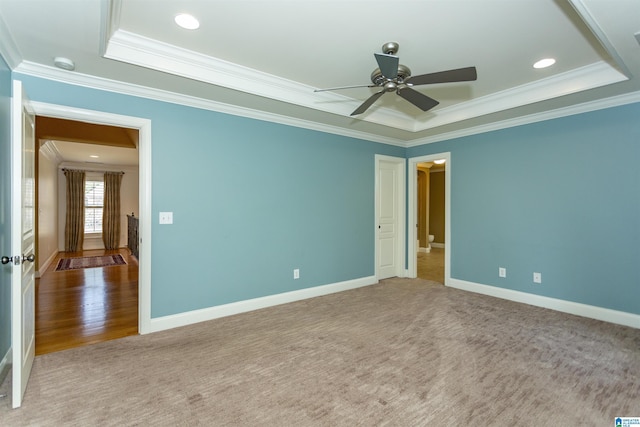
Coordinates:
x,y
22,242
388,210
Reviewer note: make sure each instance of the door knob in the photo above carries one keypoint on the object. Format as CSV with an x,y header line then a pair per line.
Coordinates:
x,y
7,259
29,258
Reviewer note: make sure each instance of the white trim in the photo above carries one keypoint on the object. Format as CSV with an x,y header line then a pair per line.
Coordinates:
x,y
438,245
585,107
144,168
5,364
585,14
84,80
8,48
50,151
138,50
401,191
412,176
578,309
210,313
45,265
99,83
574,81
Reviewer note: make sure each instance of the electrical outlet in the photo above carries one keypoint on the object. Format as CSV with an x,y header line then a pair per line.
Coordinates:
x,y
166,218
537,277
296,273
502,272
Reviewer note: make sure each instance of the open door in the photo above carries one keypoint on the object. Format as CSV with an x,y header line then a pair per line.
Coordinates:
x,y
22,241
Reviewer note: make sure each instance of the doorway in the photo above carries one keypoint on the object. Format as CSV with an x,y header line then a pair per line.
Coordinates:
x,y
429,214
143,127
77,307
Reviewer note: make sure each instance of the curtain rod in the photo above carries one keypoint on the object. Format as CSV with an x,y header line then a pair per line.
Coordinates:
x,y
93,171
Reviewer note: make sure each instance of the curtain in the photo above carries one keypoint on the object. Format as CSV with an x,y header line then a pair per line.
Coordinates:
x,y
74,223
111,210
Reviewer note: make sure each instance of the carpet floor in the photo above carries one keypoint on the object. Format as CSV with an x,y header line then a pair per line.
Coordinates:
x,y
400,353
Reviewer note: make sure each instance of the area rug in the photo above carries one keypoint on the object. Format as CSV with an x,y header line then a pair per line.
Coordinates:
x,y
90,262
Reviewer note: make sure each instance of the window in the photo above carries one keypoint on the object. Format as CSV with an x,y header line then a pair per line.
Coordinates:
x,y
93,203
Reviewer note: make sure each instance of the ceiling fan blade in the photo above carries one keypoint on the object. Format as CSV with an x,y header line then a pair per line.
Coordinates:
x,y
418,99
388,64
457,75
366,104
342,87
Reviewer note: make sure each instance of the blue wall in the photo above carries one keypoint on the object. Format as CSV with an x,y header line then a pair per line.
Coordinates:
x,y
5,208
560,197
251,200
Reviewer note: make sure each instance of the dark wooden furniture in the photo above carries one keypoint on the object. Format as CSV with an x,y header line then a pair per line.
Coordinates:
x,y
132,234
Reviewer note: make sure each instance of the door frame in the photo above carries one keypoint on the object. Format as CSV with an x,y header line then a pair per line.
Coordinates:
x,y
144,182
400,163
412,266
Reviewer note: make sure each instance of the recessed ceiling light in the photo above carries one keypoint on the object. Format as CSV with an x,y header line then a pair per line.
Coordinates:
x,y
187,21
64,63
93,156
439,161
544,63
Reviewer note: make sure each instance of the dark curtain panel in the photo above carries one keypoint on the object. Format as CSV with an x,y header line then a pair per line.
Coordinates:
x,y
111,210
74,223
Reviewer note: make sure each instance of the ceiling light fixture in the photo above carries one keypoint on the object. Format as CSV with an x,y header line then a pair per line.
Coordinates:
x,y
64,63
439,161
187,21
544,63
93,156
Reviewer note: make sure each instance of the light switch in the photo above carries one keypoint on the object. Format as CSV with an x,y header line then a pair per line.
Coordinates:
x,y
166,217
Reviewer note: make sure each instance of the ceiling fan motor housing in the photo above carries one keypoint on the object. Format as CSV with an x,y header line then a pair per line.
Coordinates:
x,y
379,80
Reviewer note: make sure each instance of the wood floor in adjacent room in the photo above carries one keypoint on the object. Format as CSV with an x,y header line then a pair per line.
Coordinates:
x,y
86,306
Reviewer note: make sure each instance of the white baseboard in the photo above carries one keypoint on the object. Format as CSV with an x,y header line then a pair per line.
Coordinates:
x,y
424,250
584,310
45,265
5,365
196,316
437,245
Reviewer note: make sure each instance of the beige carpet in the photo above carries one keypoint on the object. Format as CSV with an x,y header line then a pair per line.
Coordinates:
x,y
401,353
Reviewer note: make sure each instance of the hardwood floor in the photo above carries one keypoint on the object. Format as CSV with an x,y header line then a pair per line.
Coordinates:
x,y
86,306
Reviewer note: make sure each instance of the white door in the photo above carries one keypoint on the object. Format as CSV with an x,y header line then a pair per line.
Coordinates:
x,y
389,209
22,241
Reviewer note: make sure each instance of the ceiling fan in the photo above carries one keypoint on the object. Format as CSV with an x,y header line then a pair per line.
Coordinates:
x,y
392,76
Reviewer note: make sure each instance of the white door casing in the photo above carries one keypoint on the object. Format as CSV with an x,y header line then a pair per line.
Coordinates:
x,y
144,201
22,241
389,216
412,267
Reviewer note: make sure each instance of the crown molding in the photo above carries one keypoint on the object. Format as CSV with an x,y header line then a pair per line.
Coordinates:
x,y
8,48
99,83
50,151
600,104
138,50
578,80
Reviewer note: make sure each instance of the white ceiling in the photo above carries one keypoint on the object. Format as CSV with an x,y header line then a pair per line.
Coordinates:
x,y
94,154
264,58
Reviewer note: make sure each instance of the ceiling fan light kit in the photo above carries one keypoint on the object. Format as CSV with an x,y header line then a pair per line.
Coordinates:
x,y
391,76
